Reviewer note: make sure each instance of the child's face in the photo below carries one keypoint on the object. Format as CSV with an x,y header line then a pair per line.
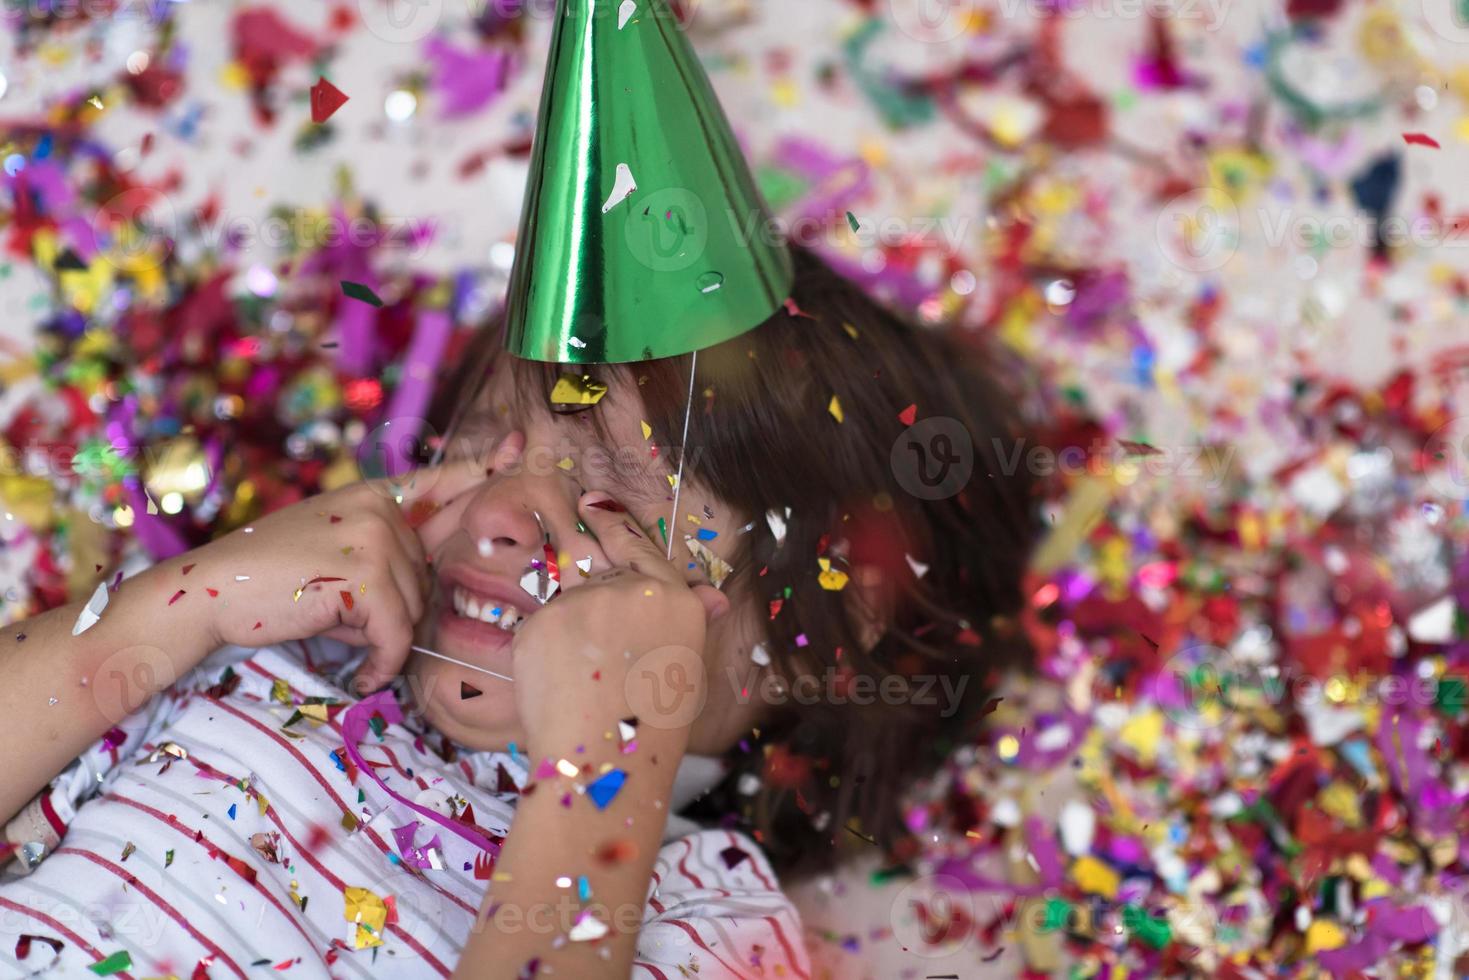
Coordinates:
x,y
483,542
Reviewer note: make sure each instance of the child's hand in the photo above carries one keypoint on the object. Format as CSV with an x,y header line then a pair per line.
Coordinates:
x,y
346,564
572,657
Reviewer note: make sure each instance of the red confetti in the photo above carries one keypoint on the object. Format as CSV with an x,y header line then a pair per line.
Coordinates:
x,y
1421,139
346,598
213,593
775,605
190,567
908,415
176,597
256,626
326,99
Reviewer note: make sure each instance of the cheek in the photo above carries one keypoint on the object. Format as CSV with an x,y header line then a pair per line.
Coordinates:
x,y
440,690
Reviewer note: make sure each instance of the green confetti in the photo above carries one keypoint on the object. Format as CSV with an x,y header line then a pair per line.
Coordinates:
x,y
116,963
663,529
167,858
1154,932
357,291
852,220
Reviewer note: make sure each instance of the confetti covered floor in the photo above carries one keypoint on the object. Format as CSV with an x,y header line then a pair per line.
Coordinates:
x,y
1229,240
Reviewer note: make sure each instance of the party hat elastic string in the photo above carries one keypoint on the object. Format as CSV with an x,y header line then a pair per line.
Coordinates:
x,y
683,454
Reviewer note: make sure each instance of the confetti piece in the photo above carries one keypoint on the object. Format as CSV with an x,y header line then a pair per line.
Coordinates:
x,y
359,292
716,569
647,431
908,415
625,12
116,963
584,566
468,693
587,928
831,579
326,99
835,408
189,568
606,787
777,523
852,220
368,912
177,596
577,390
346,598
622,189
92,611
1421,139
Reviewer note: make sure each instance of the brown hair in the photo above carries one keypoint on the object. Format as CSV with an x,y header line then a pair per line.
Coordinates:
x,y
764,437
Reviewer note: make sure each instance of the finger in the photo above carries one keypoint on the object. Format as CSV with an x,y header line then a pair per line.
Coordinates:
x,y
412,552
410,586
715,603
389,637
623,542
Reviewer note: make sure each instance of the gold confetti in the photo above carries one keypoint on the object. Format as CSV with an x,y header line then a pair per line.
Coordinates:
x,y
368,912
831,579
835,408
577,390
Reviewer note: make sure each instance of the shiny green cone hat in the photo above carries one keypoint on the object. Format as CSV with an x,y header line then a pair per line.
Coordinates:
x,y
643,234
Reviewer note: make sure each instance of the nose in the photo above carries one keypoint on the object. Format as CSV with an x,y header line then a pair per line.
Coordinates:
x,y
520,506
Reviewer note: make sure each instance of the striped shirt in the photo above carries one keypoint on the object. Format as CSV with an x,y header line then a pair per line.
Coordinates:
x,y
225,831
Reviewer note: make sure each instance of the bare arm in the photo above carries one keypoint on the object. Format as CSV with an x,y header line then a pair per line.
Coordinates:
x,y
62,692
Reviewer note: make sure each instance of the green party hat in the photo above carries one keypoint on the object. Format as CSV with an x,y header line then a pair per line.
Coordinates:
x,y
643,234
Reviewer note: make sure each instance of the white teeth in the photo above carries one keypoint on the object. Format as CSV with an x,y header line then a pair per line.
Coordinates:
x,y
504,617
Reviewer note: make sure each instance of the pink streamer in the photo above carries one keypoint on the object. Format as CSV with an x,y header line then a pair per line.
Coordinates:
x,y
355,728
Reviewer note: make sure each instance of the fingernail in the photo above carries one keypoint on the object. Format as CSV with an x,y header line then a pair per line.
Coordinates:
x,y
608,504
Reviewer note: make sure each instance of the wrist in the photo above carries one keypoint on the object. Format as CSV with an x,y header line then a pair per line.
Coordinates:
x,y
191,630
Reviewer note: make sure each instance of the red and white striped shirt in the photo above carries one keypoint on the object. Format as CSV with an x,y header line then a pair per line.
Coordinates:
x,y
223,830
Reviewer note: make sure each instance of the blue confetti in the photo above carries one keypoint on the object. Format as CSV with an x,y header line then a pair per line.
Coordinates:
x,y
233,806
606,788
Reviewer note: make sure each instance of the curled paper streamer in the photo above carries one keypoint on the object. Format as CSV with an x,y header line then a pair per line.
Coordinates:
x,y
355,727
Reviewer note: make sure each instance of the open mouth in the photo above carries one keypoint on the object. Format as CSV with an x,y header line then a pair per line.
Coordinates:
x,y
493,612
